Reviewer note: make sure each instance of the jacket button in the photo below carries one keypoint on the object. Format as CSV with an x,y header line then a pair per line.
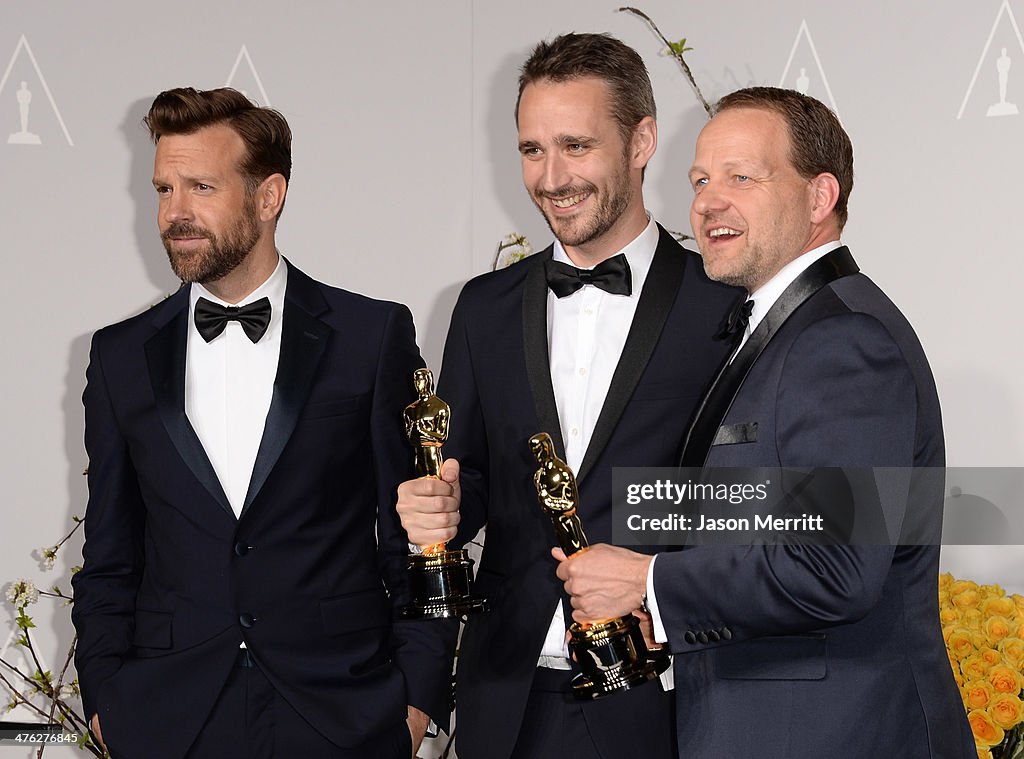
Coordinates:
x,y
713,636
690,637
246,620
726,633
702,637
241,549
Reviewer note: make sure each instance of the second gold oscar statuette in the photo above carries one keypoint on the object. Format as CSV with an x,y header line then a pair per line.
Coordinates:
x,y
611,653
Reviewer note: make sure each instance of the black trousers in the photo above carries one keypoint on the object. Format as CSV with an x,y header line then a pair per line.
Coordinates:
x,y
555,725
252,721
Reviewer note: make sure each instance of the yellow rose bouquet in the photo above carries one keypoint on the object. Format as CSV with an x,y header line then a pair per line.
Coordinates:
x,y
984,633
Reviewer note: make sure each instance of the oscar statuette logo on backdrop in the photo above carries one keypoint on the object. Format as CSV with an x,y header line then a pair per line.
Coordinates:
x,y
247,81
22,106
803,71
999,71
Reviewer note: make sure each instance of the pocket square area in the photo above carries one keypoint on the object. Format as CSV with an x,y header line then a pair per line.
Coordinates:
x,y
730,434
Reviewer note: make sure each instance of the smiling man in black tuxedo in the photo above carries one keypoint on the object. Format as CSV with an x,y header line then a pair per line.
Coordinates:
x,y
605,340
243,558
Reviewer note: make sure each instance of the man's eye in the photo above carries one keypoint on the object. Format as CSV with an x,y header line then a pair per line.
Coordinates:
x,y
203,187
698,183
742,178
575,147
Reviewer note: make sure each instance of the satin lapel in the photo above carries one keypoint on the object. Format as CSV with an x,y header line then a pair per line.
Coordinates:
x,y
165,357
716,404
659,295
535,350
303,342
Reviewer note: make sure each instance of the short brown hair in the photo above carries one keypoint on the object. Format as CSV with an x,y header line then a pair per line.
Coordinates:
x,y
265,132
819,144
572,56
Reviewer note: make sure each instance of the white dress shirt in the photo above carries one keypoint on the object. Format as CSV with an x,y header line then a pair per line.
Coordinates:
x,y
229,383
764,298
586,333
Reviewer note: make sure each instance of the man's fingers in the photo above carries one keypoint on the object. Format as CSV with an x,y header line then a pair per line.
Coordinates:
x,y
427,505
441,520
417,721
424,487
647,628
562,570
426,496
95,725
428,511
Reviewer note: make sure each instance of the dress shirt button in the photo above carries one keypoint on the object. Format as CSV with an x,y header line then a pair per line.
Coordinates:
x,y
702,637
241,549
713,636
690,637
583,371
246,620
726,633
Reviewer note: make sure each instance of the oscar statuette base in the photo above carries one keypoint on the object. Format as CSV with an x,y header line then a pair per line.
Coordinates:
x,y
612,656
442,586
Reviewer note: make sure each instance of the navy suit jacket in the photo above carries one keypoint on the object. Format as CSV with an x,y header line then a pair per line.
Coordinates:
x,y
310,574
497,380
819,650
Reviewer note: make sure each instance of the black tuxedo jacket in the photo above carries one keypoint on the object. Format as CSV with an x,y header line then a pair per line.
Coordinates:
x,y
311,573
497,380
799,650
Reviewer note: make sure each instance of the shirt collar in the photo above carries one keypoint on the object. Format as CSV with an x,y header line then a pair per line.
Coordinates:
x,y
273,288
766,295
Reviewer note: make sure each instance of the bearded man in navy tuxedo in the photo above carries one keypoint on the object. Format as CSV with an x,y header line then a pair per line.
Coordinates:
x,y
606,341
243,558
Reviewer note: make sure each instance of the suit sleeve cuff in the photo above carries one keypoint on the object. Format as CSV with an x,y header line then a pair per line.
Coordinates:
x,y
660,635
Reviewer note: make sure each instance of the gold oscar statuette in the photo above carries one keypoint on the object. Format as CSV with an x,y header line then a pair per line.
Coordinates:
x,y
441,580
611,654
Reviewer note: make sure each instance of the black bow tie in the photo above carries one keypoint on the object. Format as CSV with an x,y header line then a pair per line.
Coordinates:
x,y
211,318
737,320
611,275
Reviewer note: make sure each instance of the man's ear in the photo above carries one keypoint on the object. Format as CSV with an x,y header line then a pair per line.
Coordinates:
x,y
270,196
824,196
643,143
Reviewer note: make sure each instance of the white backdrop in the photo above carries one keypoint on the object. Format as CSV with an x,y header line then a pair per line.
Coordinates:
x,y
406,176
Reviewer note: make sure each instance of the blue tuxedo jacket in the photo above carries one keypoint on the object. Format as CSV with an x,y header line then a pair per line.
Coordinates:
x,y
815,650
310,574
497,380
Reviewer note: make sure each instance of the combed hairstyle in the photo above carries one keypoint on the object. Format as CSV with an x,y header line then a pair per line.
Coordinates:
x,y
265,132
572,56
818,142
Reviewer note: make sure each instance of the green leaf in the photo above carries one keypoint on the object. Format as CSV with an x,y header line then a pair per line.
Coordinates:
x,y
678,48
42,678
23,620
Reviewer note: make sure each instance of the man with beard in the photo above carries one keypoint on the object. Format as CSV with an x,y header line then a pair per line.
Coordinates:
x,y
789,649
605,340
243,557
